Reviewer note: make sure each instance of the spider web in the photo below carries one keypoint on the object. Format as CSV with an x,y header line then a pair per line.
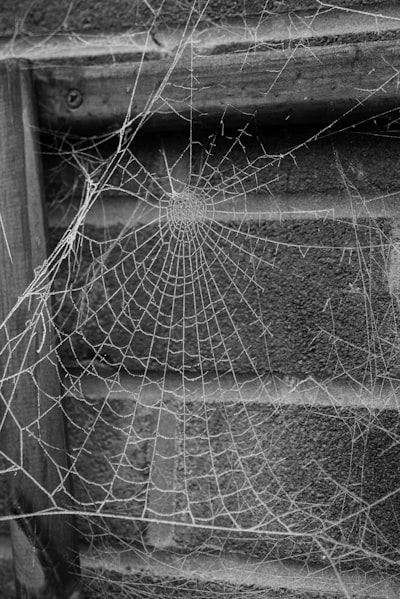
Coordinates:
x,y
227,347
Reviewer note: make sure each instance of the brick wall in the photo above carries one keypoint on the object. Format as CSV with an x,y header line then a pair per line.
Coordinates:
x,y
318,421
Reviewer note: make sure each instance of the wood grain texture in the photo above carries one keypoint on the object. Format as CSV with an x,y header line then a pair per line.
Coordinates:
x,y
31,424
47,16
306,84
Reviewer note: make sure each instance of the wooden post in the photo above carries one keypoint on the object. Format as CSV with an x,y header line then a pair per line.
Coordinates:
x,y
32,436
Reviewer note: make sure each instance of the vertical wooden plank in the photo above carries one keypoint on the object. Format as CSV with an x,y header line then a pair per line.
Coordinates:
x,y
32,436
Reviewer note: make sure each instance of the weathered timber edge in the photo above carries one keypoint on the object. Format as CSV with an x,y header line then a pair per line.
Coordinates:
x,y
348,81
283,69
47,16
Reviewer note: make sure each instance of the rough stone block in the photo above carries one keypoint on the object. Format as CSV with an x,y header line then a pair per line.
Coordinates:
x,y
278,173
283,265
316,484
295,297
267,470
109,443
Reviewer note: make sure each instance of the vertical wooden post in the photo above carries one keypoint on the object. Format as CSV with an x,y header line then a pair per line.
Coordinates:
x,y
32,436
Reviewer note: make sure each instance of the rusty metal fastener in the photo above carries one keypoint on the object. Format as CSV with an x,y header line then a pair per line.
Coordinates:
x,y
74,98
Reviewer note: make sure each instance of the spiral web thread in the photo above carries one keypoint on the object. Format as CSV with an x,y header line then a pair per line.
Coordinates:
x,y
183,402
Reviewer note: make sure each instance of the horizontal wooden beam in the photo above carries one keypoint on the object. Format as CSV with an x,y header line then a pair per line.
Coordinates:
x,y
306,84
281,29
279,68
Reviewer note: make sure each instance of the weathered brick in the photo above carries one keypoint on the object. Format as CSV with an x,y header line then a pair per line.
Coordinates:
x,y
297,297
262,469
324,479
281,173
109,438
289,274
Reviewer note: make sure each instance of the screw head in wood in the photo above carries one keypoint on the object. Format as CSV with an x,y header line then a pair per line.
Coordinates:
x,y
74,98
